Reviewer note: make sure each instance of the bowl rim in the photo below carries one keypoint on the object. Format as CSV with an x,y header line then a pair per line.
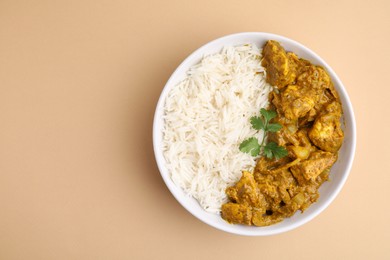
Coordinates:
x,y
347,105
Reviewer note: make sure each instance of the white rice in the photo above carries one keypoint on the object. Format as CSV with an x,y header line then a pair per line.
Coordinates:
x,y
207,117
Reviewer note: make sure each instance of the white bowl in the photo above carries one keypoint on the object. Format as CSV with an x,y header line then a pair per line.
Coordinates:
x,y
340,170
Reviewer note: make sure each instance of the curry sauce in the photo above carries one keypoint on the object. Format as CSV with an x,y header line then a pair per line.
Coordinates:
x,y
309,109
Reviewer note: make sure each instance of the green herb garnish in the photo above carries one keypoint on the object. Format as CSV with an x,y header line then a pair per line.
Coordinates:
x,y
271,149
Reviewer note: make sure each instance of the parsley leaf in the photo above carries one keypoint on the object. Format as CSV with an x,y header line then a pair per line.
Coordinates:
x,y
268,114
257,122
273,127
270,150
267,153
250,145
273,150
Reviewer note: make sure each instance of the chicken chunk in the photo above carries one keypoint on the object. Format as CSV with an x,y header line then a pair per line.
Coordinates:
x,y
333,107
326,132
281,68
312,167
245,191
324,98
302,149
295,101
314,77
237,213
317,78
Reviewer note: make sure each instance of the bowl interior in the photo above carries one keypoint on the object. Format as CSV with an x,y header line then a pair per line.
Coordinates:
x,y
328,190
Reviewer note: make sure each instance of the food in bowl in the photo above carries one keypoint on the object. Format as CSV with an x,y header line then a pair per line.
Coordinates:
x,y
206,116
309,113
328,190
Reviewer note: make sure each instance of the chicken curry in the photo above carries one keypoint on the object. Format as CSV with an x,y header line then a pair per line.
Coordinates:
x,y
309,109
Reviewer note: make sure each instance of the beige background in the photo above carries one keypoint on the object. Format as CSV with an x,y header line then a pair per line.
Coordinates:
x,y
79,82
